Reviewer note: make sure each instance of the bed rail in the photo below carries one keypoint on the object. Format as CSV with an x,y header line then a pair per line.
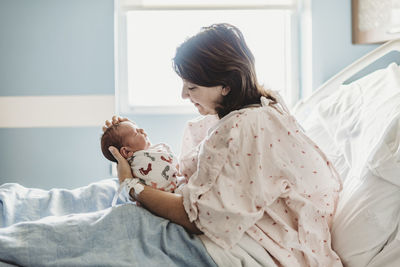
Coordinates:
x,y
379,58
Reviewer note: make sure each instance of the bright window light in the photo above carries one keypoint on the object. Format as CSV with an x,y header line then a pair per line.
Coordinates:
x,y
154,35
149,33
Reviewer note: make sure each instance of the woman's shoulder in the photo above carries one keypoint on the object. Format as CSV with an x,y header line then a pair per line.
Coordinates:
x,y
202,121
255,115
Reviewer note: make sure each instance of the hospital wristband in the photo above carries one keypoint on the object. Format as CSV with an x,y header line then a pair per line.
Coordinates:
x,y
136,185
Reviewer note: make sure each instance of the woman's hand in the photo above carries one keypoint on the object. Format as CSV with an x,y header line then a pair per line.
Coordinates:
x,y
114,120
123,167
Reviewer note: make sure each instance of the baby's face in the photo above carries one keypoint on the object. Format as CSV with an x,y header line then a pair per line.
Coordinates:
x,y
133,137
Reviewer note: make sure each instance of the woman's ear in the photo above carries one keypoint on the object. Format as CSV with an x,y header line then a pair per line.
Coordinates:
x,y
225,90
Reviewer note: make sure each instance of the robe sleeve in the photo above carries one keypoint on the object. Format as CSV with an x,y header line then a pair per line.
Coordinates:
x,y
194,134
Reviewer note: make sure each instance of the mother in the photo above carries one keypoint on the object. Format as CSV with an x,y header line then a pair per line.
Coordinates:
x,y
254,179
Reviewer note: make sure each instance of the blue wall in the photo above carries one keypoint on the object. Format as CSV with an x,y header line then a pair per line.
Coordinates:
x,y
51,157
332,47
54,47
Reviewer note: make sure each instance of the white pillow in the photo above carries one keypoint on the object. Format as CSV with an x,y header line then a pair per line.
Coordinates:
x,y
358,128
390,255
367,216
385,159
361,118
315,129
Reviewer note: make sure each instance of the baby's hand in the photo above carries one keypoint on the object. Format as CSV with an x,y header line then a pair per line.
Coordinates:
x,y
114,120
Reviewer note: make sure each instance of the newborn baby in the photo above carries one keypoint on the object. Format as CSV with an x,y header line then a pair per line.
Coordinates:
x,y
154,165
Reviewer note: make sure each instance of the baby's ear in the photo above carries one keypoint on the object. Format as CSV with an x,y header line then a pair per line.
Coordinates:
x,y
126,152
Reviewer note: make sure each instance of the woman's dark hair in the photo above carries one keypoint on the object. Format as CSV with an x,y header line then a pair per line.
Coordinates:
x,y
219,55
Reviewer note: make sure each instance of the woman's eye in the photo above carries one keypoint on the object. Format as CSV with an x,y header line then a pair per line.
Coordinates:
x,y
191,88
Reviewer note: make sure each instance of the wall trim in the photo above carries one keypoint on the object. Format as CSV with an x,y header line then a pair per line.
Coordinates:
x,y
55,111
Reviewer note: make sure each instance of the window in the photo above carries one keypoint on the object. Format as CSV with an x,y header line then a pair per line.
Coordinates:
x,y
148,32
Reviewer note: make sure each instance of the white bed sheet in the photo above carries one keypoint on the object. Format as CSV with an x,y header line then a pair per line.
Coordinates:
x,y
247,253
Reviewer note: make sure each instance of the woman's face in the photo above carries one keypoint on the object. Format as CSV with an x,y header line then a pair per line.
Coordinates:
x,y
205,99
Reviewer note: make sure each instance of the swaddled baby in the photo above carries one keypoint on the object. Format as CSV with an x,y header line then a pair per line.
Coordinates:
x,y
154,165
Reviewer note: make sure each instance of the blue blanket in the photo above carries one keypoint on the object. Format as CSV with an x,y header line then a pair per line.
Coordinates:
x,y
79,228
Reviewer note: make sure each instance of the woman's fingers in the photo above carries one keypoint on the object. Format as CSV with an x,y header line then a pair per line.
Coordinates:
x,y
114,120
106,125
123,167
117,119
114,151
121,119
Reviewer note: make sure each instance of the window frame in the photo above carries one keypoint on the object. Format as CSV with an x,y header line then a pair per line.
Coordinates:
x,y
121,7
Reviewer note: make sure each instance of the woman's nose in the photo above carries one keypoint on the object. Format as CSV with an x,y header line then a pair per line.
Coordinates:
x,y
184,94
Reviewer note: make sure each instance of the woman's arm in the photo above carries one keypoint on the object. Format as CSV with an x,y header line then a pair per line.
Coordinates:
x,y
163,204
166,205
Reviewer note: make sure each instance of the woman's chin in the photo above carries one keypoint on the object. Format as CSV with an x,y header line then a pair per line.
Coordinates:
x,y
207,112
203,111
199,109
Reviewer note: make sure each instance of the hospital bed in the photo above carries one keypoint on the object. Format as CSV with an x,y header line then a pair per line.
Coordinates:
x,y
355,119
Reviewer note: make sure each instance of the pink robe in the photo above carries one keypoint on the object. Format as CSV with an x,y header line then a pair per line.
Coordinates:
x,y
255,171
